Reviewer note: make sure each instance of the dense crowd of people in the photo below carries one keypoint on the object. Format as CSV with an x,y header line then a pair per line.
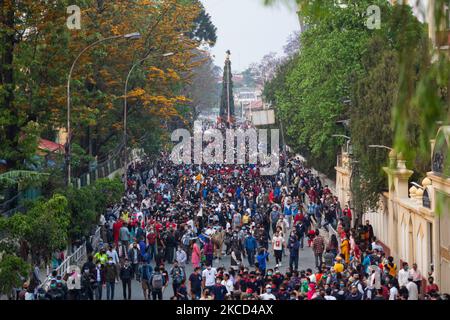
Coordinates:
x,y
177,216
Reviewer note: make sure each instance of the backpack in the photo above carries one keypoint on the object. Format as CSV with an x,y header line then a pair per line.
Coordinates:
x,y
157,281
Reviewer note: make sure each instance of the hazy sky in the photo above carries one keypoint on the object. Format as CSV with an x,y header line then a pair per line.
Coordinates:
x,y
249,29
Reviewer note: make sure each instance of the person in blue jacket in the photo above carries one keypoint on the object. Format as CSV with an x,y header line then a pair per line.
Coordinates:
x,y
250,246
262,258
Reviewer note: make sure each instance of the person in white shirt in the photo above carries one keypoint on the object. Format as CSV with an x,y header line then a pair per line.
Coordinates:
x,y
268,295
375,277
413,292
112,253
403,275
102,220
311,275
278,243
328,295
228,283
74,285
376,246
393,292
29,295
209,277
416,275
181,257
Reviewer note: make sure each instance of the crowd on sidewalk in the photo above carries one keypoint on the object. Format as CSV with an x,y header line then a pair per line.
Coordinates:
x,y
175,215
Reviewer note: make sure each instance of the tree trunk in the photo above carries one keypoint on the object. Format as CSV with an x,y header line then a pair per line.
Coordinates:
x,y
7,81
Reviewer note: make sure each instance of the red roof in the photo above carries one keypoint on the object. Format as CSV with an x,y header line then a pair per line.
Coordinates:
x,y
51,146
256,104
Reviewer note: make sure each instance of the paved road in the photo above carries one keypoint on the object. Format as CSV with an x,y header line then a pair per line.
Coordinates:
x,y
306,261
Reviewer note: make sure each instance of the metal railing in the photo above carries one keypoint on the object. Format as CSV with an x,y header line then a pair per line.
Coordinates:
x,y
114,162
95,238
74,259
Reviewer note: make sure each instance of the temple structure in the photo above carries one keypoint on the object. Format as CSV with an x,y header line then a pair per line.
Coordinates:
x,y
227,98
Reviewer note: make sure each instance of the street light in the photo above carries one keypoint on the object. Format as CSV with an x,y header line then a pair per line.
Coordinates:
x,y
380,147
129,36
341,136
345,137
125,111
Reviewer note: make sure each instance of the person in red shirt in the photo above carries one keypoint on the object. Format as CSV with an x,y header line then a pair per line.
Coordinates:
x,y
431,287
298,218
152,237
347,212
116,228
312,195
171,225
158,226
271,196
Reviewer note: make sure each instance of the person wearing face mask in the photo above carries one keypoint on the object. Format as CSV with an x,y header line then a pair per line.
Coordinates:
x,y
100,280
342,291
403,275
236,257
228,283
74,285
209,277
268,295
134,255
283,294
126,273
112,252
87,285
294,246
110,277
219,291
250,245
101,257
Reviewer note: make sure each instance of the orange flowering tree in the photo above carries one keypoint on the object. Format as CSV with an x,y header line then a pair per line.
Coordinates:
x,y
37,49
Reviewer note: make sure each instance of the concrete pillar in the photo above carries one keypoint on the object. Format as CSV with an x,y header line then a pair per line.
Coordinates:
x,y
398,176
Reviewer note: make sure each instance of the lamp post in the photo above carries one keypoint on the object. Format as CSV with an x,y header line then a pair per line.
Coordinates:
x,y
345,137
380,147
130,36
125,111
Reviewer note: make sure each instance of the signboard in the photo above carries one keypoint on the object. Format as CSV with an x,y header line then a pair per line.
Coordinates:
x,y
263,118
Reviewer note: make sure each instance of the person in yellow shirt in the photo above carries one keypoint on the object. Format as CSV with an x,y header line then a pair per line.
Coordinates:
x,y
345,249
391,267
101,257
246,219
338,266
125,217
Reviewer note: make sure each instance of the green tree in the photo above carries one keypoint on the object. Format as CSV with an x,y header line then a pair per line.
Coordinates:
x,y
13,273
83,215
370,123
204,29
374,97
319,79
107,192
44,227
